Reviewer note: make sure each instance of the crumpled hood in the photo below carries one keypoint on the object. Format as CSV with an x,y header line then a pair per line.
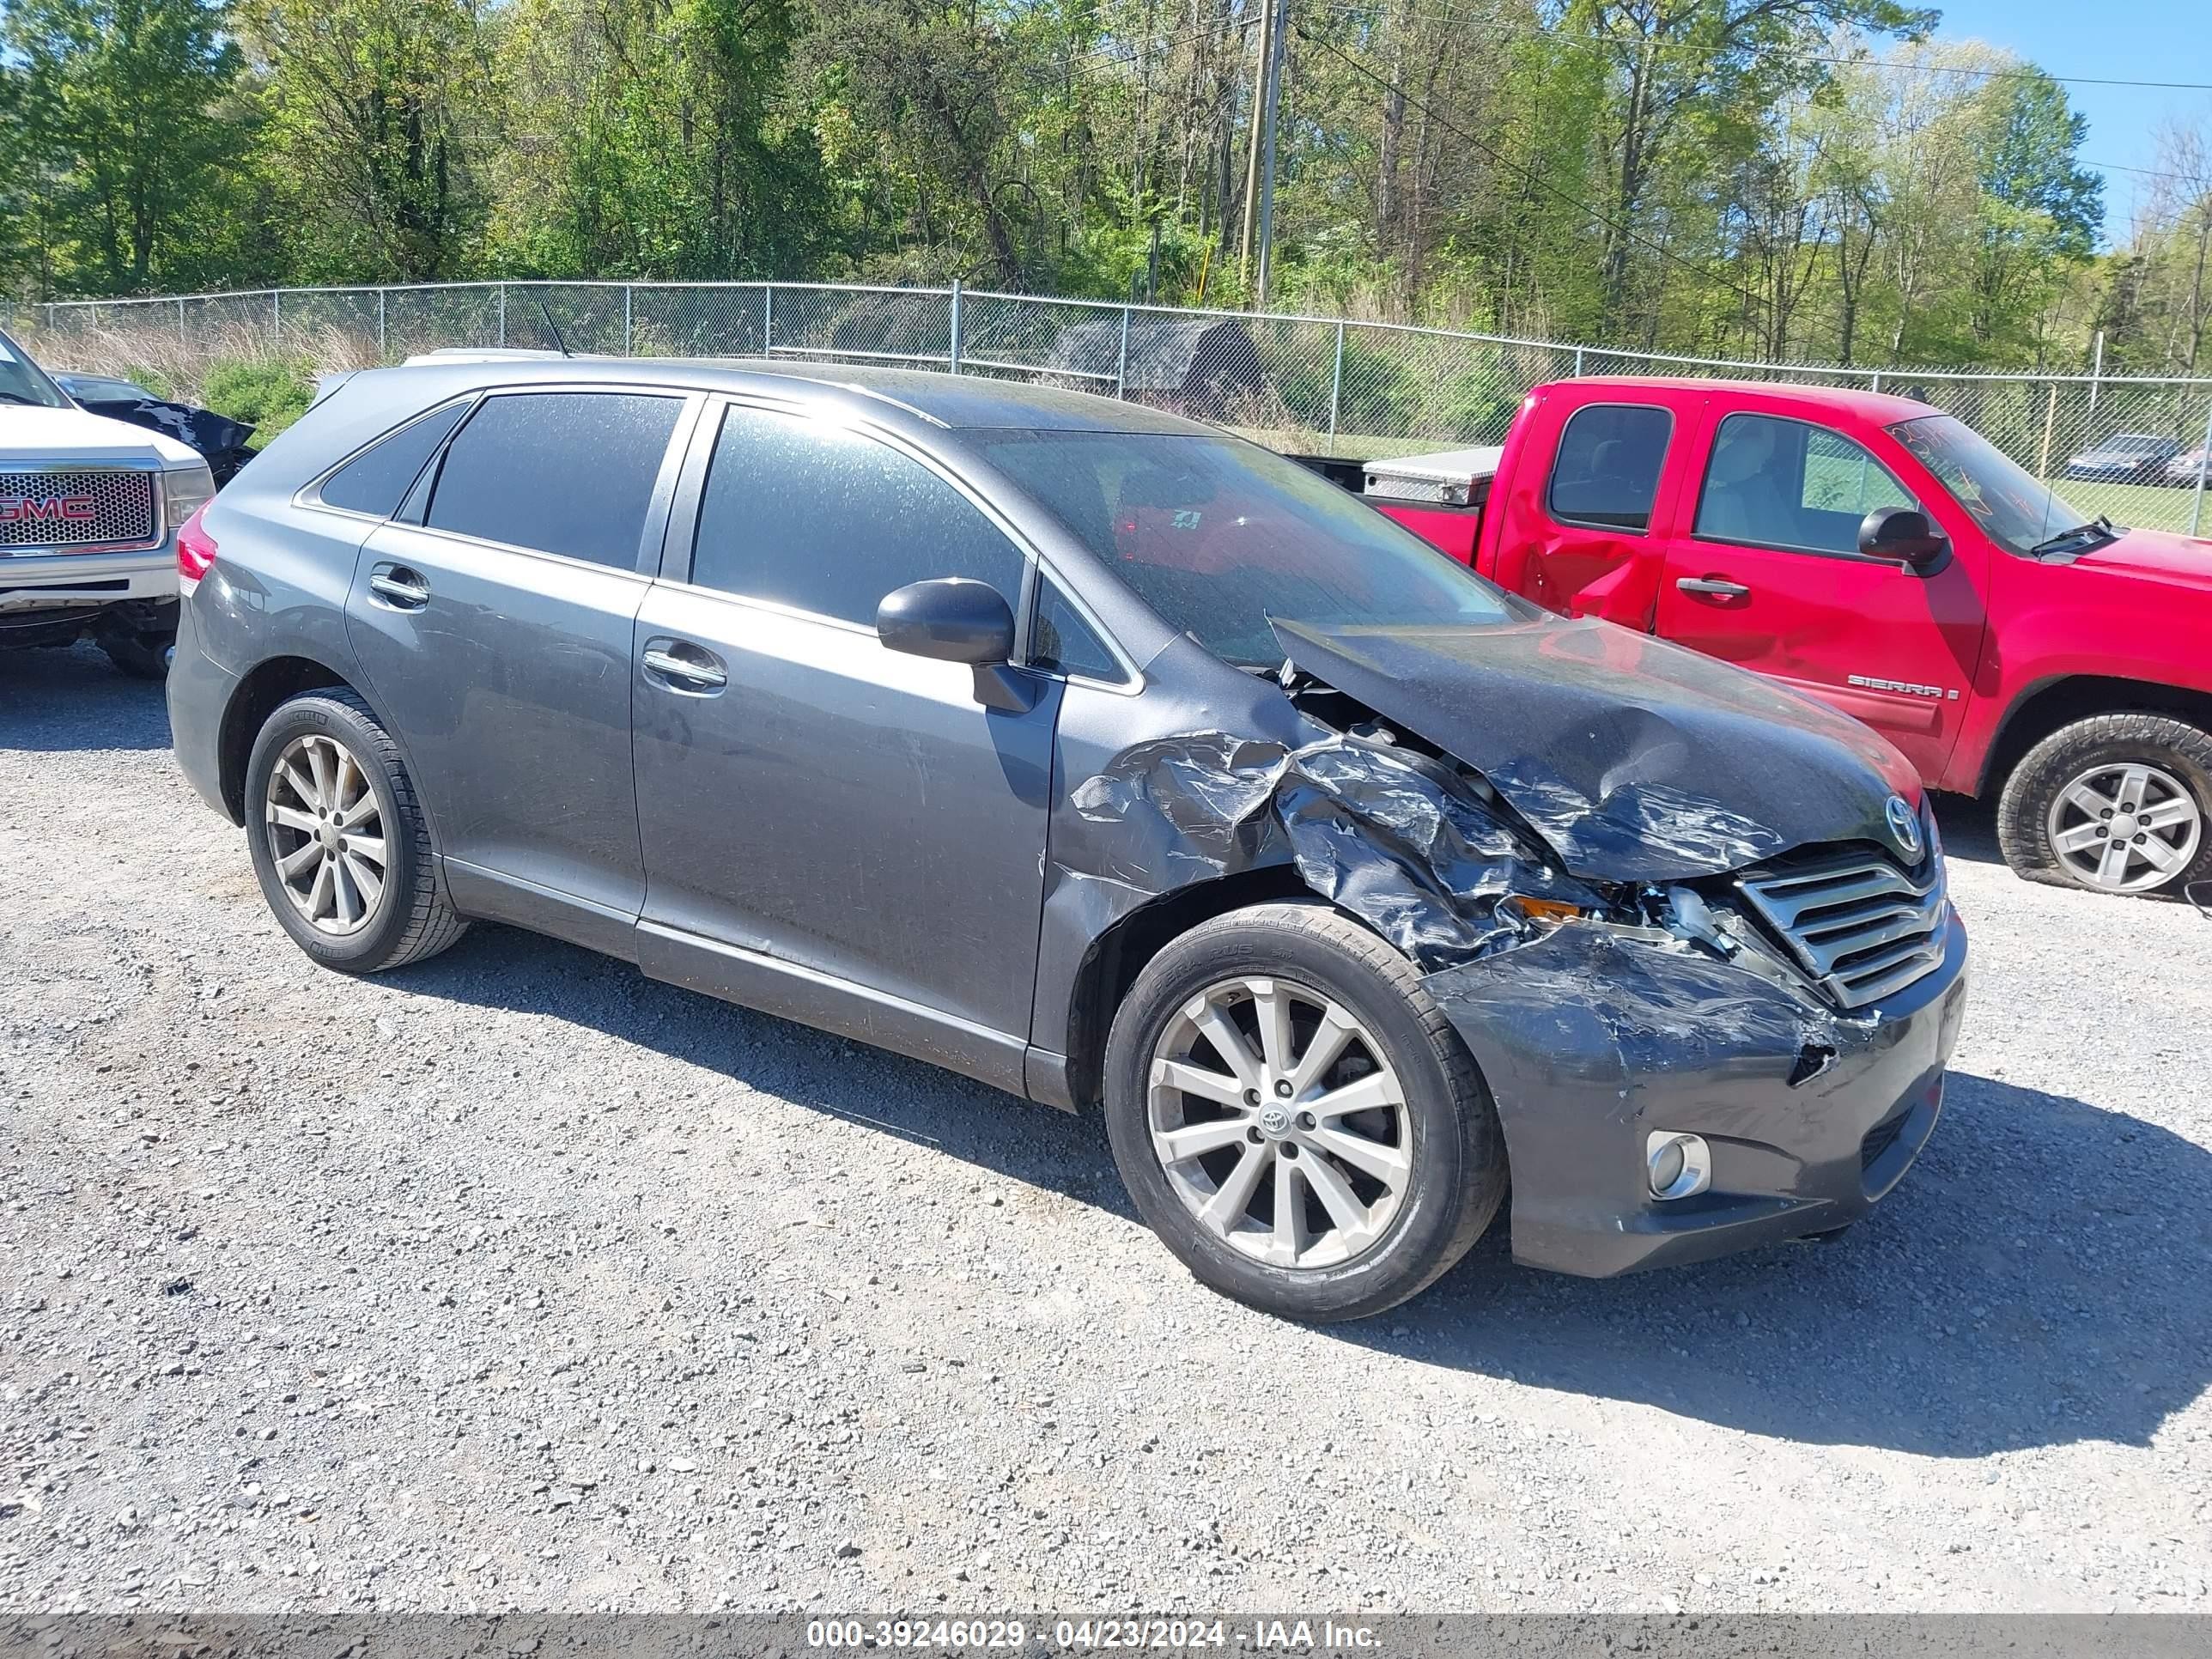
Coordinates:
x,y
1635,759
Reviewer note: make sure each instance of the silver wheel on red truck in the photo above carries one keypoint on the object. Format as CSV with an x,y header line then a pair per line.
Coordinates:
x,y
1296,1118
2116,803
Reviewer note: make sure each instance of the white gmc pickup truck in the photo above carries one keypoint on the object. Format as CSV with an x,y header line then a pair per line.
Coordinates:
x,y
90,509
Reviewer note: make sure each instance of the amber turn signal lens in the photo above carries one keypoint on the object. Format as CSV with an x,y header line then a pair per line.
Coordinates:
x,y
1553,911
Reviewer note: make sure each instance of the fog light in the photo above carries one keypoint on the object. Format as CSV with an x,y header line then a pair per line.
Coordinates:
x,y
1677,1165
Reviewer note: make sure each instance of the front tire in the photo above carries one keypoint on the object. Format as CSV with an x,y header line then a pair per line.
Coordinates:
x,y
1295,1117
2115,804
339,840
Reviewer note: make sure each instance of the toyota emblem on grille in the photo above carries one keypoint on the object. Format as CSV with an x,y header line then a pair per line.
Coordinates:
x,y
1903,827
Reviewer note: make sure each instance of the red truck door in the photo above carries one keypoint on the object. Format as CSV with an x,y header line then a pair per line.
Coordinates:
x,y
1577,534
1763,570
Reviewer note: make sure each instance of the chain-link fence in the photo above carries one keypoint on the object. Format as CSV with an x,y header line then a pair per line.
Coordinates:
x,y
2139,450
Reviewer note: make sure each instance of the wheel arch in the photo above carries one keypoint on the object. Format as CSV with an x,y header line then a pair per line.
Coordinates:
x,y
258,695
2051,704
1119,953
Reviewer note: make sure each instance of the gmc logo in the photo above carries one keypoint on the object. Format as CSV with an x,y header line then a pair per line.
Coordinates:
x,y
69,509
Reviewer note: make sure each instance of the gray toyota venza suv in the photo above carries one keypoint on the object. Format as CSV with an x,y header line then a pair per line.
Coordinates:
x,y
1104,758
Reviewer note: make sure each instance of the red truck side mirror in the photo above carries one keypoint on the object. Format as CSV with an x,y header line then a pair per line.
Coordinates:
x,y
1903,536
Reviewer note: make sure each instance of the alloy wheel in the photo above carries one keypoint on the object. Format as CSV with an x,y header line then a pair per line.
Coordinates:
x,y
326,836
1280,1123
2124,827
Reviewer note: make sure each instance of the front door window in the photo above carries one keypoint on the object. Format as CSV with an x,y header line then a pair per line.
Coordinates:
x,y
1774,483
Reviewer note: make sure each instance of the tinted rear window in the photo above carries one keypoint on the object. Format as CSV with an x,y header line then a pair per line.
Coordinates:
x,y
569,472
1607,470
376,481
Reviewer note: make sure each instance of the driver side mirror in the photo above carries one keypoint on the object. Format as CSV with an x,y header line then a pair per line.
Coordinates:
x,y
1902,535
955,619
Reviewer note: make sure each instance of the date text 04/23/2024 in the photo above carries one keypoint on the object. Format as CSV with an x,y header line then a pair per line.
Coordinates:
x,y
1087,1635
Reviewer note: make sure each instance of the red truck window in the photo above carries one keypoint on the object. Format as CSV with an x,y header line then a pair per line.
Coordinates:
x,y
1775,483
1607,470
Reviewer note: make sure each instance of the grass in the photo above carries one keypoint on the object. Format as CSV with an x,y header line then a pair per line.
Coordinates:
x,y
268,393
2142,507
234,371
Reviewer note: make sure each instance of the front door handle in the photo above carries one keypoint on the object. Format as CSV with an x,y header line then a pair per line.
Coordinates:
x,y
1714,585
685,666
399,587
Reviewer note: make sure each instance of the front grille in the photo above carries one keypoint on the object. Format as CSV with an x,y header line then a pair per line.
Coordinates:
x,y
97,506
1880,1138
1854,920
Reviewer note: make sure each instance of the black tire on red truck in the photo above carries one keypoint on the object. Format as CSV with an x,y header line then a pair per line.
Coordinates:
x,y
2118,803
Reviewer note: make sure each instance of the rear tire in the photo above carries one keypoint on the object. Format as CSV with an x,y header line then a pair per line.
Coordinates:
x,y
311,833
1359,1233
2078,780
142,657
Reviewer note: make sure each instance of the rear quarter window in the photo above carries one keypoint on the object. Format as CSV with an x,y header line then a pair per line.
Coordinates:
x,y
377,479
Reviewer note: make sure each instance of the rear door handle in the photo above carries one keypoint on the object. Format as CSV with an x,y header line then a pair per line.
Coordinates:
x,y
399,587
685,666
1714,585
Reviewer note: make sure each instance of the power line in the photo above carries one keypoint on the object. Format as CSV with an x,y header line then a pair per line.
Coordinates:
x,y
1703,272
1106,56
2200,180
1686,49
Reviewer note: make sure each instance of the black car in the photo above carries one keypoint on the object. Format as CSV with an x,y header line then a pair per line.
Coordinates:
x,y
1099,756
2124,457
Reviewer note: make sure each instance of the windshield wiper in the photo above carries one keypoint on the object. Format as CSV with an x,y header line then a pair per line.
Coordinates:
x,y
2100,526
17,398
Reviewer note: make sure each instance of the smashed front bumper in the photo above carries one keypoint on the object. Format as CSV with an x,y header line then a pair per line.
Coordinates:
x,y
1594,1037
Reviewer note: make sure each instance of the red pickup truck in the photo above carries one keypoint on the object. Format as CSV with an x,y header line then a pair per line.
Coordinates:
x,y
1877,554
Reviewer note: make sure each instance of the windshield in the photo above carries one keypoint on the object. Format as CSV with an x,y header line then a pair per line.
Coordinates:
x,y
2004,496
1218,536
22,381
2137,443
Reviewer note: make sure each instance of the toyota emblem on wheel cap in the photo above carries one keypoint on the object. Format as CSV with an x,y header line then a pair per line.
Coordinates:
x,y
1903,827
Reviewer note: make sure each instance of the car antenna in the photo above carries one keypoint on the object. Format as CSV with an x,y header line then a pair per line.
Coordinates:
x,y
546,311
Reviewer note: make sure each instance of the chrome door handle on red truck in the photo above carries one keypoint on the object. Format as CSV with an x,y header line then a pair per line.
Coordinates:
x,y
1714,585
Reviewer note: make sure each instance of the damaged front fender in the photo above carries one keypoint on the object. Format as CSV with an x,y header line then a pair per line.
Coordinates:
x,y
1399,841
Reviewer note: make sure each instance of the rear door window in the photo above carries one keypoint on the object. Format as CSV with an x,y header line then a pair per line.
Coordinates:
x,y
565,472
1781,483
805,514
1607,473
377,480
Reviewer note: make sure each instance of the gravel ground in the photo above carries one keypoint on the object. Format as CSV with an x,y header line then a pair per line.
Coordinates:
x,y
517,1280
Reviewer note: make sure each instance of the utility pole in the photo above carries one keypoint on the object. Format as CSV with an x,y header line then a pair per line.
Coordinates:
x,y
1277,43
1259,72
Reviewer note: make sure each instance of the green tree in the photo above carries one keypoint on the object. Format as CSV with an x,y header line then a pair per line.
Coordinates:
x,y
378,116
1682,70
2040,209
113,143
661,155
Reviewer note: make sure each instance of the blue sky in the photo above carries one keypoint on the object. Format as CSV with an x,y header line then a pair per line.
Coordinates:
x,y
2108,39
